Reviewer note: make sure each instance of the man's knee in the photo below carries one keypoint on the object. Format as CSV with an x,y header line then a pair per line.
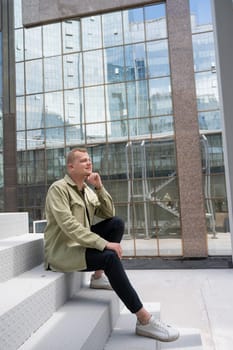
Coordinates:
x,y
118,223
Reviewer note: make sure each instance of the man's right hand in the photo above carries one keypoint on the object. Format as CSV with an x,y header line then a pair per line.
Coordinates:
x,y
116,247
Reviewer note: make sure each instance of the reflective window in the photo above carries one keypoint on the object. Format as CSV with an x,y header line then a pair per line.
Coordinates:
x,y
204,52
71,35
137,99
133,22
35,112
33,43
201,15
114,64
18,13
54,137
93,67
19,46
74,110
94,104
74,135
96,132
162,125
160,96
91,33
210,120
52,39
20,118
207,91
52,73
54,114
135,62
155,20
34,69
19,67
158,58
73,71
117,105
21,140
35,139
112,29
139,127
117,130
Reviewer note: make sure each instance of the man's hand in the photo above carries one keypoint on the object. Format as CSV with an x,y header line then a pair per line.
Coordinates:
x,y
95,180
116,247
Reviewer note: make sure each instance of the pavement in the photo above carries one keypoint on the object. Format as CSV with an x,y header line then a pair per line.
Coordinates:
x,y
192,298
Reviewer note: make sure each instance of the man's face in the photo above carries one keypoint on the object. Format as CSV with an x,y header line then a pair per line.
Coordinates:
x,y
82,165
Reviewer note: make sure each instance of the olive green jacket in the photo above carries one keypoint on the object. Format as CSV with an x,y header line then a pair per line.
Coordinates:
x,y
69,215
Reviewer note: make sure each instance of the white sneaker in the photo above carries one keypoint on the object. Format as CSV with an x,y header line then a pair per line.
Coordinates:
x,y
100,283
157,330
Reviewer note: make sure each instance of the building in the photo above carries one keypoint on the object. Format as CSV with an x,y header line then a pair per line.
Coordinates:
x,y
139,83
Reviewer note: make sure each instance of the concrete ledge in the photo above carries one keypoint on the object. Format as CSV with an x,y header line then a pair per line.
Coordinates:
x,y
29,300
83,323
19,254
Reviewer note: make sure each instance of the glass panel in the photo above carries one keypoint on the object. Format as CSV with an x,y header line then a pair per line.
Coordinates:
x,y
91,33
96,132
137,98
54,115
74,135
93,67
133,25
112,29
117,130
35,117
201,15
21,140
55,137
155,19
18,13
204,52
55,163
94,104
34,69
35,139
71,35
114,64
160,96
207,91
52,39
73,71
19,49
162,125
19,67
33,43
140,127
158,59
52,74
210,120
74,106
116,102
135,62
20,114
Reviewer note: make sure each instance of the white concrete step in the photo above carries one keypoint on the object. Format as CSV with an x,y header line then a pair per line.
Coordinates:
x,y
19,254
29,300
83,323
124,335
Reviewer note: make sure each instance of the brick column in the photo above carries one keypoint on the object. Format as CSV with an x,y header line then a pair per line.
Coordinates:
x,y
188,153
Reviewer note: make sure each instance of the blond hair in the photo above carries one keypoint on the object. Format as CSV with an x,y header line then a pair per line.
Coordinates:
x,y
71,154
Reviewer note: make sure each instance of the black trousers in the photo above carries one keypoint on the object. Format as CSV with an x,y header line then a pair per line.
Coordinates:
x,y
112,230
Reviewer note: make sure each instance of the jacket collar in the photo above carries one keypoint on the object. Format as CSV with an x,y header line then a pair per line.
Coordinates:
x,y
69,180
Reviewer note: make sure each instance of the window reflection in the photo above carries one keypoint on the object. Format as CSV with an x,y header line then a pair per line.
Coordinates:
x,y
135,62
35,115
54,115
74,107
54,137
204,52
20,118
117,105
158,61
93,67
155,20
52,73
112,29
160,96
209,120
34,69
73,71
33,43
95,132
71,35
133,25
94,104
19,48
140,127
162,125
117,130
137,99
35,139
21,140
201,15
207,91
52,39
20,79
91,33
114,64
74,135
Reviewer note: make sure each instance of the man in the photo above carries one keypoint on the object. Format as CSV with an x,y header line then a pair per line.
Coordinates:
x,y
74,243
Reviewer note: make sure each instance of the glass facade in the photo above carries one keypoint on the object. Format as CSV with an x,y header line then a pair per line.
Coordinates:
x,y
209,120
104,82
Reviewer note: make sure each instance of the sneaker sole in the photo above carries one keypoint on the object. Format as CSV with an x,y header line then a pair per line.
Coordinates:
x,y
149,335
